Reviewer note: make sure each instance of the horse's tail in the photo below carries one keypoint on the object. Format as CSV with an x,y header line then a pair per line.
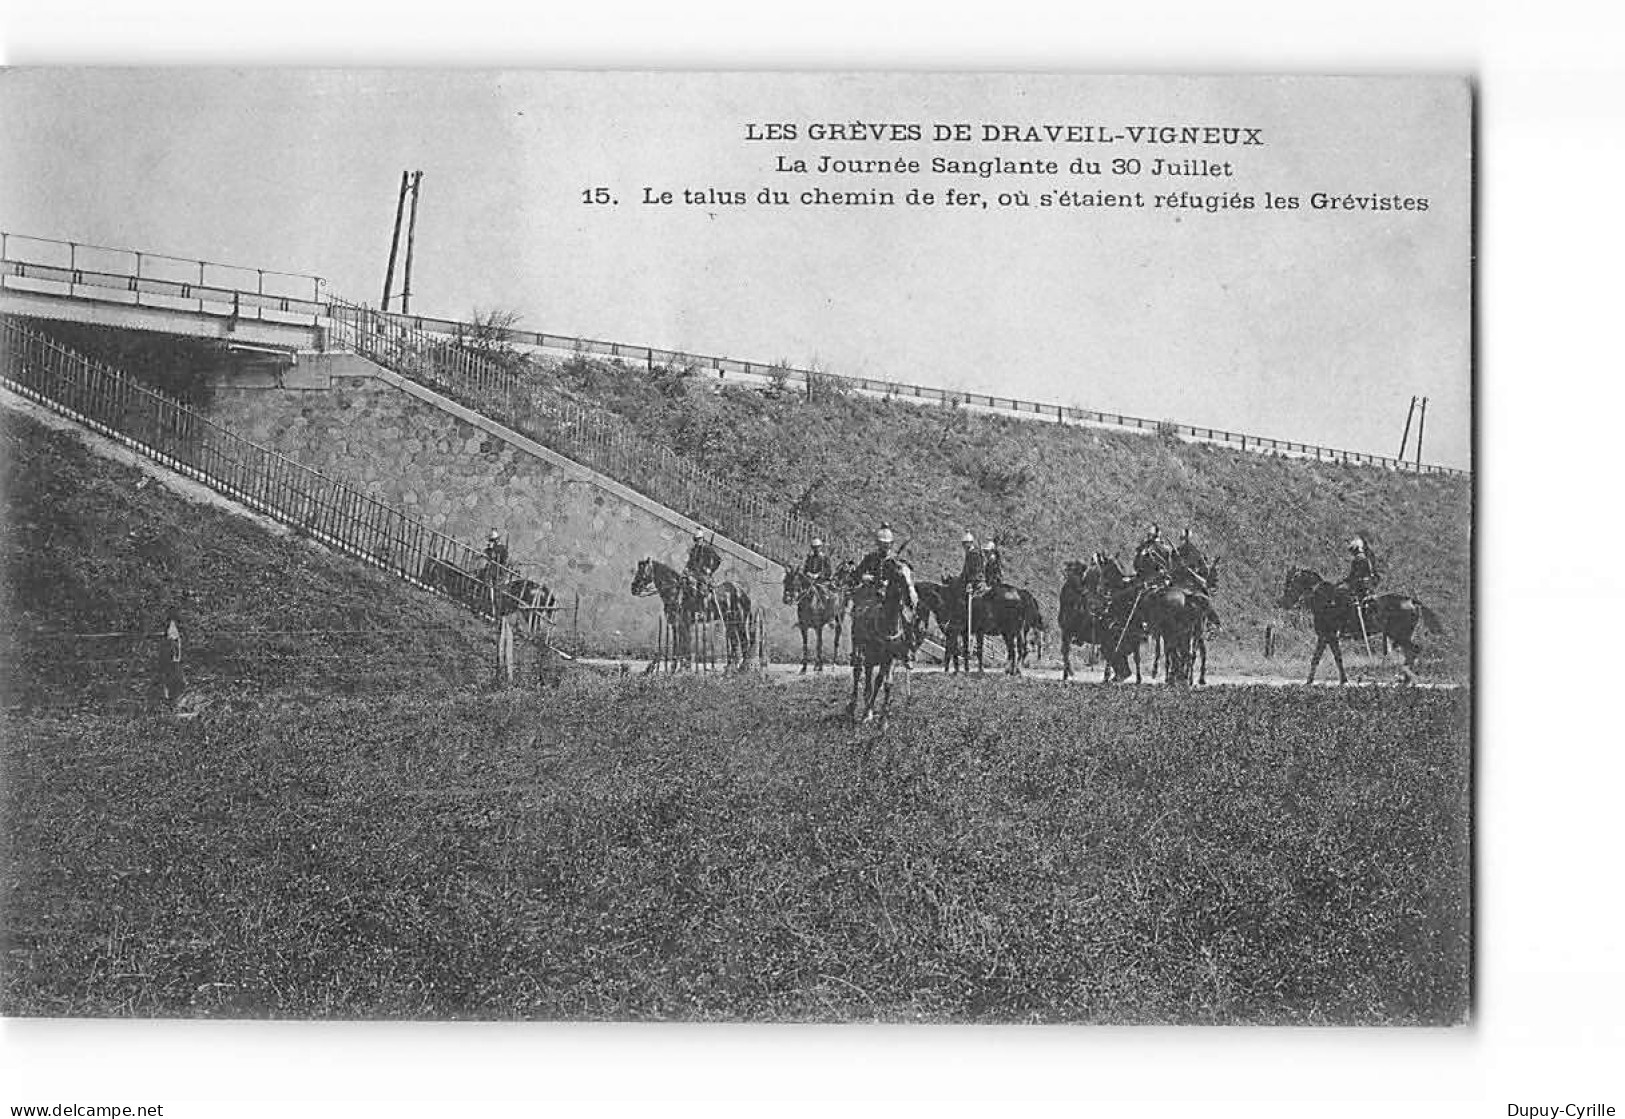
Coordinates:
x,y
1430,620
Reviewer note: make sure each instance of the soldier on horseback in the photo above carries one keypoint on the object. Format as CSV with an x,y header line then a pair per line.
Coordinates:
x,y
703,561
870,566
972,575
1190,562
992,568
1363,577
817,566
496,562
1153,556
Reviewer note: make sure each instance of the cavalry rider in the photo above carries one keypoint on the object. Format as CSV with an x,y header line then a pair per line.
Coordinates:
x,y
973,575
703,561
1362,578
1153,556
817,566
868,569
992,568
496,562
1189,560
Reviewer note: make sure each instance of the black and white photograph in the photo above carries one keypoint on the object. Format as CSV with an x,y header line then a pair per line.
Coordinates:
x,y
581,548
739,547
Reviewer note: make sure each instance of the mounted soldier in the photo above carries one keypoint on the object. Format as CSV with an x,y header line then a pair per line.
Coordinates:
x,y
1363,576
1154,556
973,573
992,567
817,567
703,561
869,567
1190,562
496,565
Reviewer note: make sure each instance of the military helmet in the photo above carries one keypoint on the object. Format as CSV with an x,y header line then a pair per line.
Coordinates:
x,y
1356,545
990,546
699,536
1155,531
495,535
1187,535
968,538
817,543
884,536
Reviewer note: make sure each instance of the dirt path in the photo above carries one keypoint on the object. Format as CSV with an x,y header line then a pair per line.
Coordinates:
x,y
792,674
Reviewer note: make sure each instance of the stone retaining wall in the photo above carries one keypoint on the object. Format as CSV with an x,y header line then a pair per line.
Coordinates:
x,y
567,526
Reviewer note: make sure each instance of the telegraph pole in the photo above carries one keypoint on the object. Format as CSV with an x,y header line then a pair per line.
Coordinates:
x,y
411,237
394,243
1421,426
1407,437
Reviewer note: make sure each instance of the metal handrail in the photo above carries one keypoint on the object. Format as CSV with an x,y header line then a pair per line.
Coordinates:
x,y
326,508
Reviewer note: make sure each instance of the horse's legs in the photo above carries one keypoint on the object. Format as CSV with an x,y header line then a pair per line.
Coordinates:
x,y
1320,647
1014,652
803,650
857,673
1337,655
818,665
1156,655
1201,647
981,662
1136,652
1066,656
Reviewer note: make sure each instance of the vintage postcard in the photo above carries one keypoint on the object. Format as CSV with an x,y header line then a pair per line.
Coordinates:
x,y
747,547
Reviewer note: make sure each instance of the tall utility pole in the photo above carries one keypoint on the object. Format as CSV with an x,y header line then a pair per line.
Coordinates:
x,y
411,237
1407,438
1421,426
411,181
395,243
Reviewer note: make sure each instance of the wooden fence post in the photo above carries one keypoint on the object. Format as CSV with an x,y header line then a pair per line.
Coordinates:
x,y
505,665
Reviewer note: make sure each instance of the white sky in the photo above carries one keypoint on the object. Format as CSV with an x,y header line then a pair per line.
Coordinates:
x,y
1310,326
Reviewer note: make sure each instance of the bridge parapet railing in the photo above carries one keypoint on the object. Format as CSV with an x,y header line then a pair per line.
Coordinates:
x,y
325,508
100,272
596,438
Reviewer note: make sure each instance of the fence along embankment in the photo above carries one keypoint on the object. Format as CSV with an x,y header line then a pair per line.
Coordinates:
x,y
904,390
322,507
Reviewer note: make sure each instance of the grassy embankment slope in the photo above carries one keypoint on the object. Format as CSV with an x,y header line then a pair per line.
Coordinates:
x,y
1053,493
732,849
92,546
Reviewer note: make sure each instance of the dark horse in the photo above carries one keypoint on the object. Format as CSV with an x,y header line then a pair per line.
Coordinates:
x,y
999,611
1032,626
1077,623
686,604
530,600
883,632
1099,607
817,605
1199,578
1393,617
1102,606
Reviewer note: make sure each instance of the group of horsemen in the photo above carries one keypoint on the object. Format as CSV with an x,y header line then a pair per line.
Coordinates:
x,y
982,571
1156,561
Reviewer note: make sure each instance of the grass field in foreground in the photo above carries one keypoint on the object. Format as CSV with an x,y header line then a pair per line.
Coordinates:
x,y
727,849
